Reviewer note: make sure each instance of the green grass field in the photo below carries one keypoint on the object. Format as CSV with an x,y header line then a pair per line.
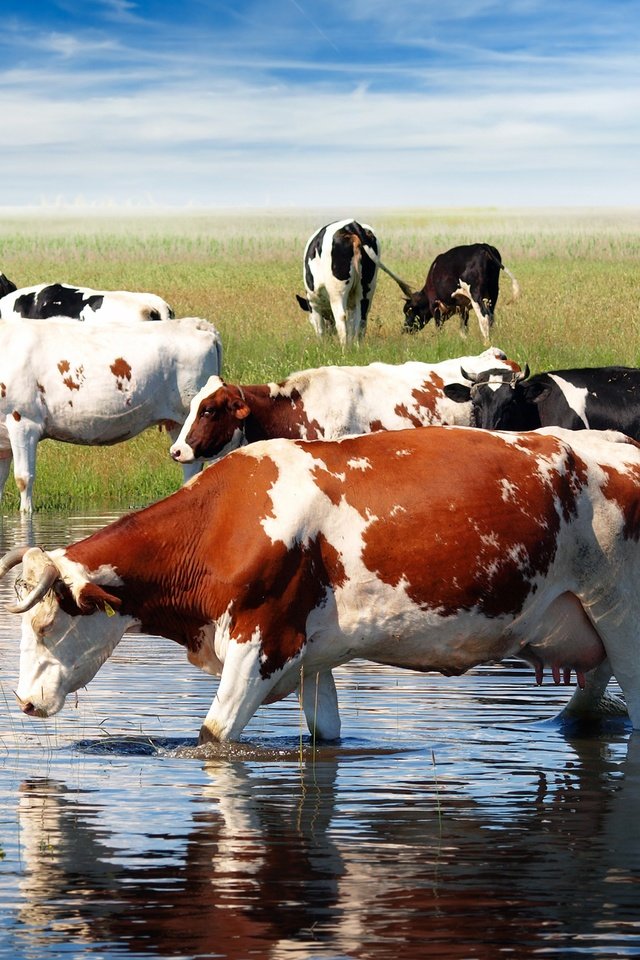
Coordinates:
x,y
579,274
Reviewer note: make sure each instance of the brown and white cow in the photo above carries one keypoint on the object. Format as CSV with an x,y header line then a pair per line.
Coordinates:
x,y
328,402
434,550
96,384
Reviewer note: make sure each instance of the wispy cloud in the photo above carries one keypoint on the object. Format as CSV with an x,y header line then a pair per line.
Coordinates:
x,y
321,105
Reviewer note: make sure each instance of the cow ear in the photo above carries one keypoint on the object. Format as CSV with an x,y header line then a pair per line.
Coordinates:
x,y
457,391
240,409
536,392
93,597
304,304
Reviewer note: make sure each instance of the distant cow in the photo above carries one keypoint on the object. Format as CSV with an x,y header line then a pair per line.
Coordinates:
x,y
463,278
435,550
95,384
326,403
600,398
49,300
340,270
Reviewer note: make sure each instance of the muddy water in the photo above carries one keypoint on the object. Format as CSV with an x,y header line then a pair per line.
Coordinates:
x,y
454,820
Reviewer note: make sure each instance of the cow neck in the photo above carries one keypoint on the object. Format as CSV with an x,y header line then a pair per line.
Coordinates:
x,y
157,557
272,416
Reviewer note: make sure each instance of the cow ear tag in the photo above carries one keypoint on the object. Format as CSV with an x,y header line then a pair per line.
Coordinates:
x,y
108,609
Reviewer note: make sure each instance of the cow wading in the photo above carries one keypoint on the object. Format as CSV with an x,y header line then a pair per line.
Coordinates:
x,y
287,558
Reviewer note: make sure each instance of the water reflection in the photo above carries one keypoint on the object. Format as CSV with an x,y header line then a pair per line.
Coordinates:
x,y
452,822
286,864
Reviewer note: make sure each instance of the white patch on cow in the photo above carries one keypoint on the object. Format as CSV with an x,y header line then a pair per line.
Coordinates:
x,y
576,397
508,489
359,463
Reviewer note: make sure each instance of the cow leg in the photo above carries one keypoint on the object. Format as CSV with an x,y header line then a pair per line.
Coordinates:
x,y
343,330
24,436
464,290
593,700
240,692
317,692
317,322
6,458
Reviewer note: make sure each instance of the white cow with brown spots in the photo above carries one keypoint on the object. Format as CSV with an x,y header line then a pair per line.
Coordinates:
x,y
435,550
96,385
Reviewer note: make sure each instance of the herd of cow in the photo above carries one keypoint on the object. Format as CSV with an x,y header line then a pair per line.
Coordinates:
x,y
329,527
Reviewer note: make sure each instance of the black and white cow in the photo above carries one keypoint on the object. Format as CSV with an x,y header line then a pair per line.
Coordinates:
x,y
48,300
463,278
340,270
599,398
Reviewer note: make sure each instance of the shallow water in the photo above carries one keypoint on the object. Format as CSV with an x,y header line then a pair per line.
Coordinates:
x,y
454,820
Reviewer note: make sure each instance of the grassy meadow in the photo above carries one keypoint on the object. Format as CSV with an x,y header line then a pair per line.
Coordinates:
x,y
579,274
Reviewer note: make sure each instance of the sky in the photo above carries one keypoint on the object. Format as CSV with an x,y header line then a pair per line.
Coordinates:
x,y
300,104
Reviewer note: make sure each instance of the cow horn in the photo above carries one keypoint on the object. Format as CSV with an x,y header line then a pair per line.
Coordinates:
x,y
12,559
47,579
472,377
522,374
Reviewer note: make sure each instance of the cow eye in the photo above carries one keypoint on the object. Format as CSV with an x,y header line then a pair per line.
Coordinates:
x,y
206,413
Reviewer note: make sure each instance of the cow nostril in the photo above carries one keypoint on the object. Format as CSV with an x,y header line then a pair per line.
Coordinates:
x,y
175,454
28,708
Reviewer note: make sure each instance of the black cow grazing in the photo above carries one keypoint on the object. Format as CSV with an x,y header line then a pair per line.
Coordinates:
x,y
6,285
340,270
463,278
596,398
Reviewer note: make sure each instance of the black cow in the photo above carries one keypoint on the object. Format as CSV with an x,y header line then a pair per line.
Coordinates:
x,y
597,398
461,278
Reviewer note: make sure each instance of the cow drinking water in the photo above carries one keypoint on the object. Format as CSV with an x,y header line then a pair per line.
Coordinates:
x,y
434,550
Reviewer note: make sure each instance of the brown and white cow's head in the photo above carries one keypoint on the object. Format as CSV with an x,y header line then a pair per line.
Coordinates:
x,y
70,626
215,425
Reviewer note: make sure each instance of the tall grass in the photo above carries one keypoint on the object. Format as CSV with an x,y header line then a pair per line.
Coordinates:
x,y
580,303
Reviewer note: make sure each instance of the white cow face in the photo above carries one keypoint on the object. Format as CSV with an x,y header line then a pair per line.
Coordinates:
x,y
60,652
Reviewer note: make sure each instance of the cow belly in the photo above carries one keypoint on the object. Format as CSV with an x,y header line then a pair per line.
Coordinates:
x,y
564,639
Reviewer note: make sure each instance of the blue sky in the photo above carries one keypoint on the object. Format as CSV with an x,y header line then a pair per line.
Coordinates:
x,y
367,103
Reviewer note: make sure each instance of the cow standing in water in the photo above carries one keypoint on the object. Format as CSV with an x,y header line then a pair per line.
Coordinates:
x,y
288,558
340,270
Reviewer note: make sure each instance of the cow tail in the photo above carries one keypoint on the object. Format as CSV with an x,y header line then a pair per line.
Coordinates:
x,y
406,289
515,286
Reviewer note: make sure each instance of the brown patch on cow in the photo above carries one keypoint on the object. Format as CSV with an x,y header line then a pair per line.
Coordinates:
x,y
72,380
426,398
3,390
121,371
21,484
16,416
467,541
624,490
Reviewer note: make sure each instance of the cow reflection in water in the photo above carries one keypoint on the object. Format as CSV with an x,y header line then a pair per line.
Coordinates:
x,y
268,877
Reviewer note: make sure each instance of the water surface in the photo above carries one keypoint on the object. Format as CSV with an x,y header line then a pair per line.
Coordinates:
x,y
455,819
